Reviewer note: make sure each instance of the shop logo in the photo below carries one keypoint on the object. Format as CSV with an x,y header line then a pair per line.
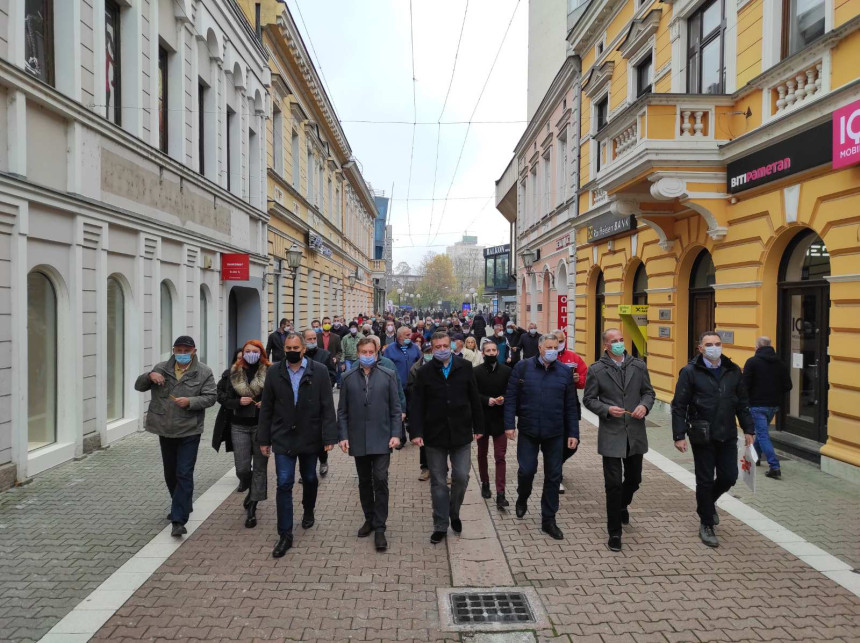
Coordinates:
x,y
846,135
761,172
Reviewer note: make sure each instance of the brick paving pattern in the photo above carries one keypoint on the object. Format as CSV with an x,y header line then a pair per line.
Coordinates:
x,y
73,526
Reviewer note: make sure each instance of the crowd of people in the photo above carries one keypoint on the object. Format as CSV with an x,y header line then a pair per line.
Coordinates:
x,y
444,381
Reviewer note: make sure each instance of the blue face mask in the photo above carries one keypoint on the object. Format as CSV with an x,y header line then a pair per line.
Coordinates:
x,y
407,341
510,330
442,355
183,358
367,360
311,346
618,348
317,330
550,355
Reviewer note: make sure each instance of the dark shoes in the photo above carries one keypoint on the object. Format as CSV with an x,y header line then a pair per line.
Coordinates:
x,y
308,520
706,533
625,517
284,543
716,517
552,529
485,490
437,537
244,484
776,474
614,543
380,542
323,469
456,525
501,503
365,529
178,530
251,520
522,507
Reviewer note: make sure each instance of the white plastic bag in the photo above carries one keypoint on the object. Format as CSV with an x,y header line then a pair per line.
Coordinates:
x,y
748,458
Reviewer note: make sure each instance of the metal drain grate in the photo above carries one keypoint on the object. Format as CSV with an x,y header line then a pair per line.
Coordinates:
x,y
491,607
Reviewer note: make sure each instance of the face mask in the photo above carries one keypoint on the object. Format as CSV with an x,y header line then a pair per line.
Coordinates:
x,y
711,352
617,348
532,331
390,329
367,360
500,334
510,330
353,331
550,355
317,330
293,357
251,357
289,329
337,324
311,346
183,358
443,355
407,341
428,357
326,326
491,359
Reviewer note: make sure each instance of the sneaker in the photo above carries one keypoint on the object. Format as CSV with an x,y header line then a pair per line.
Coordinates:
x,y
379,541
437,537
178,530
614,543
625,519
561,487
776,474
706,533
425,475
485,490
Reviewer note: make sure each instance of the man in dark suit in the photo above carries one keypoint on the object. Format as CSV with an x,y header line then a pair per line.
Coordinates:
x,y
275,346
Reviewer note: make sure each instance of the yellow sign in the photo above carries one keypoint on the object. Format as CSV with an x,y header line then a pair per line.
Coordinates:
x,y
628,309
635,320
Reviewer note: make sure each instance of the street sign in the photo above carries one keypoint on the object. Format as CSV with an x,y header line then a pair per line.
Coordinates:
x,y
235,267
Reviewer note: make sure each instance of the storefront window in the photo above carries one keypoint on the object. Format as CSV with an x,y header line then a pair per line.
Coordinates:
x,y
115,350
41,361
39,39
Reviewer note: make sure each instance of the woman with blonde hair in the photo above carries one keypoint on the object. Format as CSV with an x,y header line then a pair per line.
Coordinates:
x,y
471,352
239,393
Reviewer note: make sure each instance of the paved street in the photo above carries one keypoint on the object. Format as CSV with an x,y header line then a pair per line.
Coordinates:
x,y
223,584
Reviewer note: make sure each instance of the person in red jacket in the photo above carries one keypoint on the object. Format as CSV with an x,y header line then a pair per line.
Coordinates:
x,y
572,360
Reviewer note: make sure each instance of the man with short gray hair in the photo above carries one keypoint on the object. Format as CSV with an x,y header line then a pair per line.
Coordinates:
x,y
767,381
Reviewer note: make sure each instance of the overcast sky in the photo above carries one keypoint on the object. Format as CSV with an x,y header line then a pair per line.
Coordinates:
x,y
363,47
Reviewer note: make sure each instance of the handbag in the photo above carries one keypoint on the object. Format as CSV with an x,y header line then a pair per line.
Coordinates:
x,y
699,432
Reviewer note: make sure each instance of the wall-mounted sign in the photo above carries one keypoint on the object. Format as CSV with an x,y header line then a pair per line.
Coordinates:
x,y
562,313
315,243
726,336
664,314
497,250
795,154
562,242
664,332
846,135
608,225
235,267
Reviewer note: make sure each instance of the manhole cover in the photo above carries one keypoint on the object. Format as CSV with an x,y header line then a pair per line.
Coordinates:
x,y
491,607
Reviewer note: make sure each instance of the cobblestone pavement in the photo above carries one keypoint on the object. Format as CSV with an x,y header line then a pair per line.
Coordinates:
x,y
73,526
823,509
664,586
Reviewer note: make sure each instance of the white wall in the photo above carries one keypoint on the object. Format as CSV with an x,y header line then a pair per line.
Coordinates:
x,y
547,47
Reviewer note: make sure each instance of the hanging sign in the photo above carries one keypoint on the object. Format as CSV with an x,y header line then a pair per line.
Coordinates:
x,y
562,313
846,135
235,267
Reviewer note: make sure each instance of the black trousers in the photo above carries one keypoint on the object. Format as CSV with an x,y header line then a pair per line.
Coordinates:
x,y
715,457
373,488
621,478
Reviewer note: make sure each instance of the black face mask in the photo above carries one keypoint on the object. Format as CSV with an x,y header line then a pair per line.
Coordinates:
x,y
294,357
491,359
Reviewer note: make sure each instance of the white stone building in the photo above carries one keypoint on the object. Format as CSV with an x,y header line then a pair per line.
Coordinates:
x,y
132,156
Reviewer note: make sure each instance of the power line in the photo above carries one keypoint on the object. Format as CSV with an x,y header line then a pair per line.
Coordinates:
x,y
477,103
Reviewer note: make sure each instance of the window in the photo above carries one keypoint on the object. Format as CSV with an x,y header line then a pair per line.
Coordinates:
x,y
113,80
278,141
166,321
802,22
115,350
601,112
533,216
39,39
201,125
600,48
561,181
330,208
295,156
203,351
644,71
705,69
547,185
231,121
309,170
42,361
162,99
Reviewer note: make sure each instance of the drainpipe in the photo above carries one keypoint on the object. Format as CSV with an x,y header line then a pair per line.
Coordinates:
x,y
258,27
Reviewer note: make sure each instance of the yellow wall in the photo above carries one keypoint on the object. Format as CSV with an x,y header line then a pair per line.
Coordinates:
x,y
749,42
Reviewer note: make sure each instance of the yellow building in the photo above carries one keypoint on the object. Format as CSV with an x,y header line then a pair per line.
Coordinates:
x,y
709,193
318,201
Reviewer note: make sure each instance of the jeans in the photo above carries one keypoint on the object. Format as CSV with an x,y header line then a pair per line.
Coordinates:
x,y
446,505
246,451
500,447
762,416
619,493
527,458
179,455
373,488
349,363
721,457
285,467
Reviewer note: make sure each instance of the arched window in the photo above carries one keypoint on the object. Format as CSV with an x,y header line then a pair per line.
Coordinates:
x,y
41,361
203,350
166,321
599,306
115,350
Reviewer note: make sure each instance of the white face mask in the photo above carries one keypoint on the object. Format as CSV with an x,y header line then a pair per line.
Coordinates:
x,y
713,353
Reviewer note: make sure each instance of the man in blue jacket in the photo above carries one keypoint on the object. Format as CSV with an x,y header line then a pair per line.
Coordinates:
x,y
542,394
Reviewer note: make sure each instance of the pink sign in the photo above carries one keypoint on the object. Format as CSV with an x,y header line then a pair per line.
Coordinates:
x,y
846,135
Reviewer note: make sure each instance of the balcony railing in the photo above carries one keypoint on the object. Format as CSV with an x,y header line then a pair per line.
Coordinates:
x,y
377,265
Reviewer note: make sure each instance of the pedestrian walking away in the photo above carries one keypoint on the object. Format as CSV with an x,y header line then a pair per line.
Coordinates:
x,y
181,389
297,421
369,418
709,395
492,380
541,394
618,391
445,413
240,393
767,381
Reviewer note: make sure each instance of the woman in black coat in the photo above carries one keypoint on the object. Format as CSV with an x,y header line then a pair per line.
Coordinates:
x,y
492,379
240,393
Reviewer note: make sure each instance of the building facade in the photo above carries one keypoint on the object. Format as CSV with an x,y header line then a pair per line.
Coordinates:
x,y
131,156
318,202
717,191
382,252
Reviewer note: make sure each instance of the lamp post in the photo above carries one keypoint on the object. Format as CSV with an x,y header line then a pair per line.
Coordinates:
x,y
399,296
294,260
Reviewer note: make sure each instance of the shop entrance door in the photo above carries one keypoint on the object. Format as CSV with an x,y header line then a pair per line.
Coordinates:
x,y
702,300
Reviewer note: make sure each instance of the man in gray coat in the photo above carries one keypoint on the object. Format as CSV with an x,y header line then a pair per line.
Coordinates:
x,y
618,390
369,423
182,389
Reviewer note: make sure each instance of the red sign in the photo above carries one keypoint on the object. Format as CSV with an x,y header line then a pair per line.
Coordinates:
x,y
846,135
562,242
235,267
562,313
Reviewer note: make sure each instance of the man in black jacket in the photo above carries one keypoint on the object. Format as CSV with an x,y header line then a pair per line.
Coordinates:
x,y
446,411
492,379
709,395
528,343
275,345
320,355
297,421
767,381
479,327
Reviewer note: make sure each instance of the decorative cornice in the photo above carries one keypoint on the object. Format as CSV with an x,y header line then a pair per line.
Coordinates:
x,y
639,32
737,284
598,78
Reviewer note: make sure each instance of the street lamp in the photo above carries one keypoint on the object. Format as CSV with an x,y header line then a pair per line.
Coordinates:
x,y
294,260
399,295
529,257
